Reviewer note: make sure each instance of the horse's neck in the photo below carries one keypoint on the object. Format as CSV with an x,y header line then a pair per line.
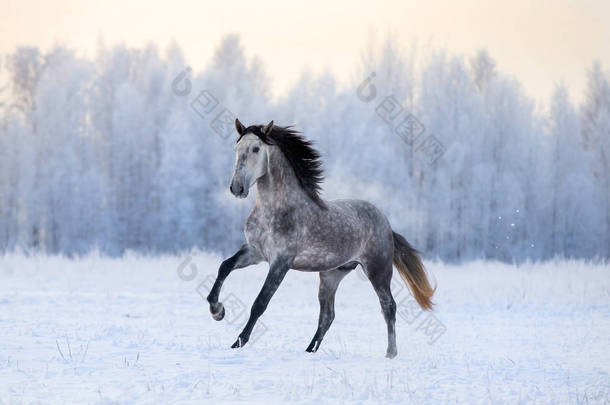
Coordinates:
x,y
279,188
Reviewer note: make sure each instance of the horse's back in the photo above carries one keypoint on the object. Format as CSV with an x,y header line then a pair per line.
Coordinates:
x,y
344,232
364,211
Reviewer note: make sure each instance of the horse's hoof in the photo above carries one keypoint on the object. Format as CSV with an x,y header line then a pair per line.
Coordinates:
x,y
313,347
238,343
218,311
391,355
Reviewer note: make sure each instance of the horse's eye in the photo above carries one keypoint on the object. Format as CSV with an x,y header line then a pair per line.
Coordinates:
x,y
255,149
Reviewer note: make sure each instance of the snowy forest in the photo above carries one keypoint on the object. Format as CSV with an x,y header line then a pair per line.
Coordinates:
x,y
132,150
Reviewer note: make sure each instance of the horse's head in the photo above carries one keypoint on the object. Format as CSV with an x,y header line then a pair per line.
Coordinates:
x,y
250,158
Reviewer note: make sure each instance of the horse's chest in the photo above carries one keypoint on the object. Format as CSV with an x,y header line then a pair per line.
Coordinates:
x,y
271,232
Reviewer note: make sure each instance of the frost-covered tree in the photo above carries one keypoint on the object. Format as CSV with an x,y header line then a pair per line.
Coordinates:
x,y
104,152
570,172
596,133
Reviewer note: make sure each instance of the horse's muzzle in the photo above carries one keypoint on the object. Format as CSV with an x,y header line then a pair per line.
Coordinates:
x,y
238,190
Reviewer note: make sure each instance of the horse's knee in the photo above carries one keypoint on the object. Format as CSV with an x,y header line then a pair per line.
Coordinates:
x,y
225,268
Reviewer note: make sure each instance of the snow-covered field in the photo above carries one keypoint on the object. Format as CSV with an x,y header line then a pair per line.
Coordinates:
x,y
131,330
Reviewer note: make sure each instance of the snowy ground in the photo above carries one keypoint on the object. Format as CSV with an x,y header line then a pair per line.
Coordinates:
x,y
128,331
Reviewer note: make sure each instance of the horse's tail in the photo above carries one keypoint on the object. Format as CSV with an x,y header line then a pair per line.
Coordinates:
x,y
412,271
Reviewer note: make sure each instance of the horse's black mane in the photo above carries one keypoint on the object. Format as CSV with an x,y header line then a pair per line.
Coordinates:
x,y
303,158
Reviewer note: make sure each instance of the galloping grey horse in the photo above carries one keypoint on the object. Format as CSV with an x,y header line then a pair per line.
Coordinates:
x,y
291,227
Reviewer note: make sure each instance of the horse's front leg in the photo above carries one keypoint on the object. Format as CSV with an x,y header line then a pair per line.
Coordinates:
x,y
277,271
246,256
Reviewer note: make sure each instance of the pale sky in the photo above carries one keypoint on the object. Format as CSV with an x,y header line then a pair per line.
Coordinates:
x,y
541,42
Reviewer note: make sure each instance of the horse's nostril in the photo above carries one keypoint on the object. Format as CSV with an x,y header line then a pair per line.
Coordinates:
x,y
241,189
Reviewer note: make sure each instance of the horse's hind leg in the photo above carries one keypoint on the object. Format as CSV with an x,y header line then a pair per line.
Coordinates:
x,y
381,277
329,281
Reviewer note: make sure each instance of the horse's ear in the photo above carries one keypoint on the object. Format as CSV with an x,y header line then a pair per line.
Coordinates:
x,y
239,127
267,129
